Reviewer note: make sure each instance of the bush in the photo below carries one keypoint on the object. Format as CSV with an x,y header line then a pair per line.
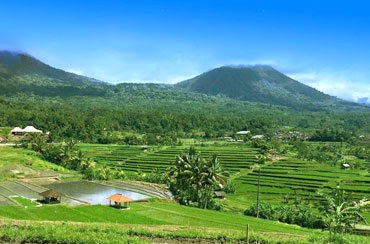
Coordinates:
x,y
299,215
230,187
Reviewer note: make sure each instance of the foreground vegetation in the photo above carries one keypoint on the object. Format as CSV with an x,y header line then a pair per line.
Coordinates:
x,y
152,213
74,233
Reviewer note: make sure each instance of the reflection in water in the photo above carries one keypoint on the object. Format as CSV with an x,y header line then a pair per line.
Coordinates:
x,y
91,192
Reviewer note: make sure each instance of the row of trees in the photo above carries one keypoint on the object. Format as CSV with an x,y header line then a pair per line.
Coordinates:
x,y
331,135
70,157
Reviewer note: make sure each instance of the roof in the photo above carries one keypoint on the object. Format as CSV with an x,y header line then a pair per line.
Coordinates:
x,y
31,129
28,129
243,132
51,193
257,137
119,198
16,129
219,193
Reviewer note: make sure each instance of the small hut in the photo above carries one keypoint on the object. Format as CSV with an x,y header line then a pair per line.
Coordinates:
x,y
29,163
219,194
345,166
118,199
51,196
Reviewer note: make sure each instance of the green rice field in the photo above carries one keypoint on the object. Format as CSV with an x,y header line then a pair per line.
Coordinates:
x,y
133,158
151,213
288,180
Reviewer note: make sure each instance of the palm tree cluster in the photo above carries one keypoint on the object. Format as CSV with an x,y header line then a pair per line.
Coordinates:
x,y
193,179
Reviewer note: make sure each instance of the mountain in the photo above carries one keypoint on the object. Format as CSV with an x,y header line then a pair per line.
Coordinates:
x,y
261,84
21,72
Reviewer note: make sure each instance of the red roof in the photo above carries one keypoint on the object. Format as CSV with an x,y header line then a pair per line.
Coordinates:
x,y
119,198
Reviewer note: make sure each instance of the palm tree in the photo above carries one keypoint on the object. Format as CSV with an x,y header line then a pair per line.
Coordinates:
x,y
38,143
65,155
215,176
341,215
192,178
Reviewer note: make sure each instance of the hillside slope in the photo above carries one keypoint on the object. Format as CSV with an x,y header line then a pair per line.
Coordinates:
x,y
22,73
262,84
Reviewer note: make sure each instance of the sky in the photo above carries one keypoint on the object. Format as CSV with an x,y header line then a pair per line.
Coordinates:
x,y
324,44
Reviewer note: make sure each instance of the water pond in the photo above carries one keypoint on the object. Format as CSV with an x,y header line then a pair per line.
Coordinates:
x,y
93,193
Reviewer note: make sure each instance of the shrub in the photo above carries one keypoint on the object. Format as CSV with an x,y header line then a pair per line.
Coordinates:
x,y
299,215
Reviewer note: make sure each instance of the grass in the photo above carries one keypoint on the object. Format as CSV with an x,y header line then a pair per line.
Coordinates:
x,y
76,233
12,163
24,201
152,213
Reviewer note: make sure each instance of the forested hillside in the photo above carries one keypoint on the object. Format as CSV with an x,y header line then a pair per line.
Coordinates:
x,y
72,106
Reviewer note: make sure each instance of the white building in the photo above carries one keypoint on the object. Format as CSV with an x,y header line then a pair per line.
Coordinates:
x,y
243,132
257,137
28,130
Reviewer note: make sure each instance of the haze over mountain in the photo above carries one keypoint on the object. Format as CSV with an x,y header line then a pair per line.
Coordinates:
x,y
21,73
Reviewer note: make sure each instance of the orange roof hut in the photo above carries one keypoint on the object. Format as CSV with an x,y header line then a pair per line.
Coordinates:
x,y
118,199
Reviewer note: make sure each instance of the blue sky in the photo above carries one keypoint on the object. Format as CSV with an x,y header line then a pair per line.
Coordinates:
x,y
325,44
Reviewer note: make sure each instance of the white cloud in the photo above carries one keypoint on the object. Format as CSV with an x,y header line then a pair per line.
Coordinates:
x,y
180,78
75,71
335,84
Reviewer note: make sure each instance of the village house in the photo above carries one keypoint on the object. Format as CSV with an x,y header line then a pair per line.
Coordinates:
x,y
243,132
28,130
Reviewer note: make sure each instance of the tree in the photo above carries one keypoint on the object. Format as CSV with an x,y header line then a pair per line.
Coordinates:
x,y
38,143
194,179
215,176
340,214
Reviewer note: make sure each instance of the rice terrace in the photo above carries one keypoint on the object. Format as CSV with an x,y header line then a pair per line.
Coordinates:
x,y
184,122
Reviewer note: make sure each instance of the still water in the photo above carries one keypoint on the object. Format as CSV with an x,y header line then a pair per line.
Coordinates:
x,y
90,192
